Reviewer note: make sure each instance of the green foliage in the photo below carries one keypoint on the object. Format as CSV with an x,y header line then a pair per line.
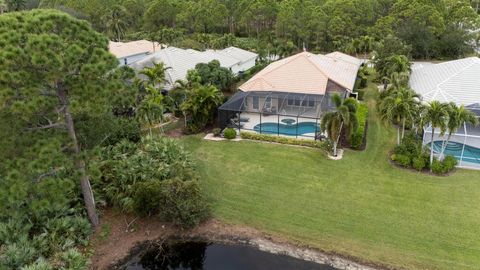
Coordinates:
x,y
200,105
213,74
344,117
217,132
449,163
179,201
229,133
418,163
403,160
357,136
325,145
146,178
437,167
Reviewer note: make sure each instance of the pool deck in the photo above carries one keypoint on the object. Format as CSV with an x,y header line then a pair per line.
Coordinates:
x,y
254,119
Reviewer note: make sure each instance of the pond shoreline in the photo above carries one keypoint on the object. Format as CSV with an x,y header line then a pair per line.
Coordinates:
x,y
121,245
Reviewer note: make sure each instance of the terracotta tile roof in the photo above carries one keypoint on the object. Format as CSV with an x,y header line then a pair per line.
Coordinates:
x,y
305,73
124,49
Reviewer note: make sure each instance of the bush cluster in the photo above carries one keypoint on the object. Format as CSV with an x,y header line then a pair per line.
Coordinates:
x,y
153,177
229,133
217,132
411,154
324,145
356,138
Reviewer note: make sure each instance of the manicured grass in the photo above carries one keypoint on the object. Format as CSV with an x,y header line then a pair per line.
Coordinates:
x,y
361,206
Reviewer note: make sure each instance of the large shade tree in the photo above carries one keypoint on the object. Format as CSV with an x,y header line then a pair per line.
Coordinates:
x,y
52,68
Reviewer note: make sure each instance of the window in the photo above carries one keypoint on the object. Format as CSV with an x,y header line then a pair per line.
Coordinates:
x,y
255,103
311,103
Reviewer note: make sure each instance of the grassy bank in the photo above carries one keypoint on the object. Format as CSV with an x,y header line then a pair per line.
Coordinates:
x,y
361,206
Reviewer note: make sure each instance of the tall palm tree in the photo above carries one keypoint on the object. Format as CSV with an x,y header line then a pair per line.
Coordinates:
x,y
116,23
436,114
152,109
344,116
155,74
366,44
399,106
457,116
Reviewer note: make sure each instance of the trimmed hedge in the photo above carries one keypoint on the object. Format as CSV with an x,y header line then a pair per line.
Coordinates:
x,y
356,139
229,133
324,145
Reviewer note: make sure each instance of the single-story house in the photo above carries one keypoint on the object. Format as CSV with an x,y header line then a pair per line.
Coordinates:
x,y
455,81
289,96
179,61
128,53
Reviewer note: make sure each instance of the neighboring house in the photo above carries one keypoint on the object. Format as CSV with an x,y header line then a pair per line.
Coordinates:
x,y
179,61
455,81
290,96
128,53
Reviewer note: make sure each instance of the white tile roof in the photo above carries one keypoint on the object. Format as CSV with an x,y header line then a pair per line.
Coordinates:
x,y
179,61
125,49
305,73
239,54
454,81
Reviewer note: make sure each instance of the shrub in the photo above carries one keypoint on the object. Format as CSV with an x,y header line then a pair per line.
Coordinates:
x,y
356,138
437,167
418,163
175,200
324,145
361,94
449,163
216,132
229,133
403,160
182,203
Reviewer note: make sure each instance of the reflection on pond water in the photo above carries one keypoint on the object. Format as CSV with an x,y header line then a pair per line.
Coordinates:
x,y
197,255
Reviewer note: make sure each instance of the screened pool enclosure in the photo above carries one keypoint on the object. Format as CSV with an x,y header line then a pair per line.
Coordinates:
x,y
464,144
275,113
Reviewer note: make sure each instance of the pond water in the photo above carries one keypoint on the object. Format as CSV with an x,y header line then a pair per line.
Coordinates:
x,y
197,255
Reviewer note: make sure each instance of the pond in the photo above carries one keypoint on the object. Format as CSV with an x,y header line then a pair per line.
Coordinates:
x,y
197,255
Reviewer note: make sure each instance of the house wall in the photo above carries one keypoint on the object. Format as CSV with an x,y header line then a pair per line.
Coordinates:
x,y
261,103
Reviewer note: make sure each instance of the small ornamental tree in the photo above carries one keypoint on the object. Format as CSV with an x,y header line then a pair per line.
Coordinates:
x,y
52,68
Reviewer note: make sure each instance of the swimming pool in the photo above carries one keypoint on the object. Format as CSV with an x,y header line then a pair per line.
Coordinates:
x,y
470,154
289,130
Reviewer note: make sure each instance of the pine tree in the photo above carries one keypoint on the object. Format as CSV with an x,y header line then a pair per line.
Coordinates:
x,y
52,68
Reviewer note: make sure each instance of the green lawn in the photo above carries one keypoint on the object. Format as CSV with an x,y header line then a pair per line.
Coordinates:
x,y
360,206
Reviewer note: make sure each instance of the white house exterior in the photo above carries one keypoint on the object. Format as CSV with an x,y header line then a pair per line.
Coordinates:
x,y
455,81
179,61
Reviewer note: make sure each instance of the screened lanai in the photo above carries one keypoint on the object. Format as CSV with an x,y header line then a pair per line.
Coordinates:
x,y
464,144
275,113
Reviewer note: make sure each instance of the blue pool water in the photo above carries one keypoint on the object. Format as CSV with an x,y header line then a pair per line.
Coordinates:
x,y
470,154
290,130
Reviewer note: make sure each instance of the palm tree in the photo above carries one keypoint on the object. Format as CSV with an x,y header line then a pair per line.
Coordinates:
x,y
457,116
116,24
399,106
436,114
201,102
155,74
366,44
344,116
151,108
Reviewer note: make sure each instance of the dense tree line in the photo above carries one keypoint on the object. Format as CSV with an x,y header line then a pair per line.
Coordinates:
x,y
433,28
